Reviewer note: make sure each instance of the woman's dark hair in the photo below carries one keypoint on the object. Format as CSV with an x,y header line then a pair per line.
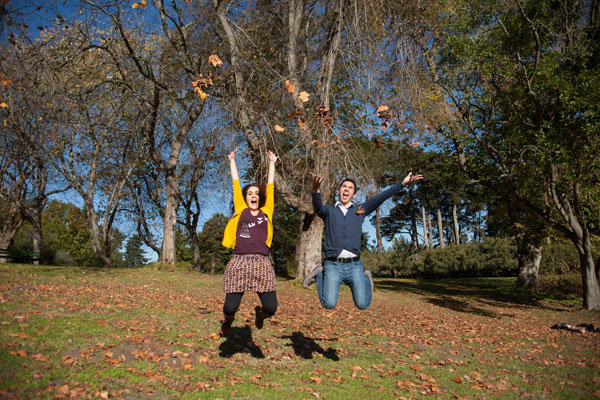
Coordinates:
x,y
262,193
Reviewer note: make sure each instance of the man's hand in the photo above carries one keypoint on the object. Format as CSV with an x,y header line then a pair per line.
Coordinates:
x,y
316,182
410,178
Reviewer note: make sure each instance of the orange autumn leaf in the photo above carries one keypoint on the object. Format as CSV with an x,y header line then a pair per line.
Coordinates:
x,y
316,379
135,6
415,144
382,108
279,128
143,4
3,105
6,82
303,96
290,86
215,60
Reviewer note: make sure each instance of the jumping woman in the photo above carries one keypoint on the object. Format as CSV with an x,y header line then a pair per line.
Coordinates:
x,y
249,233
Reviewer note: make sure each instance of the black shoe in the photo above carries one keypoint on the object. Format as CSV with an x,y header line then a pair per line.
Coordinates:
x,y
370,276
311,276
226,324
260,316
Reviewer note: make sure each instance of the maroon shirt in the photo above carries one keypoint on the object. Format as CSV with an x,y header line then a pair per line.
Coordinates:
x,y
251,234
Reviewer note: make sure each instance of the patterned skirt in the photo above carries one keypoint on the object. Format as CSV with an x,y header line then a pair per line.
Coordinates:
x,y
249,273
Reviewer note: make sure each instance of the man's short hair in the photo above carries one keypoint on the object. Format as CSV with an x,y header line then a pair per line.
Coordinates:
x,y
349,180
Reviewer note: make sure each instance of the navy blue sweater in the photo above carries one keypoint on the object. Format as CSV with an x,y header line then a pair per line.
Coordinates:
x,y
343,231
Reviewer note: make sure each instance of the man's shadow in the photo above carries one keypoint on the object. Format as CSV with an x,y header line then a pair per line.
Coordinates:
x,y
239,340
305,346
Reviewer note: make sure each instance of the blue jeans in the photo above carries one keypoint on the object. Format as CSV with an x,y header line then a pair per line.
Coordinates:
x,y
334,273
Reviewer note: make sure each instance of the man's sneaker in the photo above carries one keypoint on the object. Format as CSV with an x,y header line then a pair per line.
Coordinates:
x,y
370,276
226,324
311,277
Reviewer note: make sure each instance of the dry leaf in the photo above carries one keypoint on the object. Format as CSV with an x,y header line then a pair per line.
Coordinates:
x,y
382,108
3,105
6,82
279,128
303,96
290,86
215,60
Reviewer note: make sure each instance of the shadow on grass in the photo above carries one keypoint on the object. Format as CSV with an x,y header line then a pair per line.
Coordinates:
x,y
305,347
239,340
451,293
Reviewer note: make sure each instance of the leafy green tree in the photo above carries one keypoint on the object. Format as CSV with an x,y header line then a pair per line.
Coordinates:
x,y
285,236
134,254
183,246
213,256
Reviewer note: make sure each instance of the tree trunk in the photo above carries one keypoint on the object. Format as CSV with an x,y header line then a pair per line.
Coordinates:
x,y
424,219
440,227
378,230
196,250
37,238
529,251
167,253
9,228
455,224
429,230
589,278
104,258
308,244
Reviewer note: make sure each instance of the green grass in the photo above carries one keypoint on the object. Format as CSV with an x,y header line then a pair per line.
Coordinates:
x,y
151,333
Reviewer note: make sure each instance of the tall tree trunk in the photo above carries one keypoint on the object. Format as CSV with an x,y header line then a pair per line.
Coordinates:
x,y
37,239
455,225
440,227
99,250
591,289
424,220
308,244
167,253
378,231
429,230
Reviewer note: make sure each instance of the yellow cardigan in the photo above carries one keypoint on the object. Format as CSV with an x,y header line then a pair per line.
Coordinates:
x,y
239,205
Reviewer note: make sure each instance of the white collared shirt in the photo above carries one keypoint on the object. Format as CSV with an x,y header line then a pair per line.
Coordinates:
x,y
344,209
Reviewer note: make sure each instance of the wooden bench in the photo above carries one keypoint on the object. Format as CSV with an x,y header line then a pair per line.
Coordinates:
x,y
19,256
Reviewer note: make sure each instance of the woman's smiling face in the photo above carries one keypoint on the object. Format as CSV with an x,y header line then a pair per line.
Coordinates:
x,y
252,198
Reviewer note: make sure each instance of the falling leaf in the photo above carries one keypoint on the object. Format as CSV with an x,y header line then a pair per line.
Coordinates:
x,y
382,108
6,82
303,96
415,144
279,128
290,86
215,60
301,123
3,105
135,5
208,150
143,4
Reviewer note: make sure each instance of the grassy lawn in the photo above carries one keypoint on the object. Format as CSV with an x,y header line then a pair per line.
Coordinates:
x,y
146,333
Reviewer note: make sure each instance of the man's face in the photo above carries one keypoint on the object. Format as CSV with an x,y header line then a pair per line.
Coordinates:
x,y
252,198
346,192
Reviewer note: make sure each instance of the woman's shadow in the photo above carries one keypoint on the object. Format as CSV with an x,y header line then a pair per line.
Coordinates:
x,y
305,346
239,340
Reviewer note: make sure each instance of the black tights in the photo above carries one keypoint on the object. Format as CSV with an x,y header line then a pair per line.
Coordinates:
x,y
233,300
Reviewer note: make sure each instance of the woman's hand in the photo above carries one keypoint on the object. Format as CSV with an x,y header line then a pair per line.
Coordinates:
x,y
231,155
272,156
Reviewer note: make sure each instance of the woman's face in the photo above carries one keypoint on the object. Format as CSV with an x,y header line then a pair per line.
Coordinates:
x,y
252,198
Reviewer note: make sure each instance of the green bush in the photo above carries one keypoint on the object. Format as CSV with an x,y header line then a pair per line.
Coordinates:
x,y
492,257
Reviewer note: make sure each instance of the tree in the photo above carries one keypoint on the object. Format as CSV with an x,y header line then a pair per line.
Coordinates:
x,y
134,254
522,113
213,256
